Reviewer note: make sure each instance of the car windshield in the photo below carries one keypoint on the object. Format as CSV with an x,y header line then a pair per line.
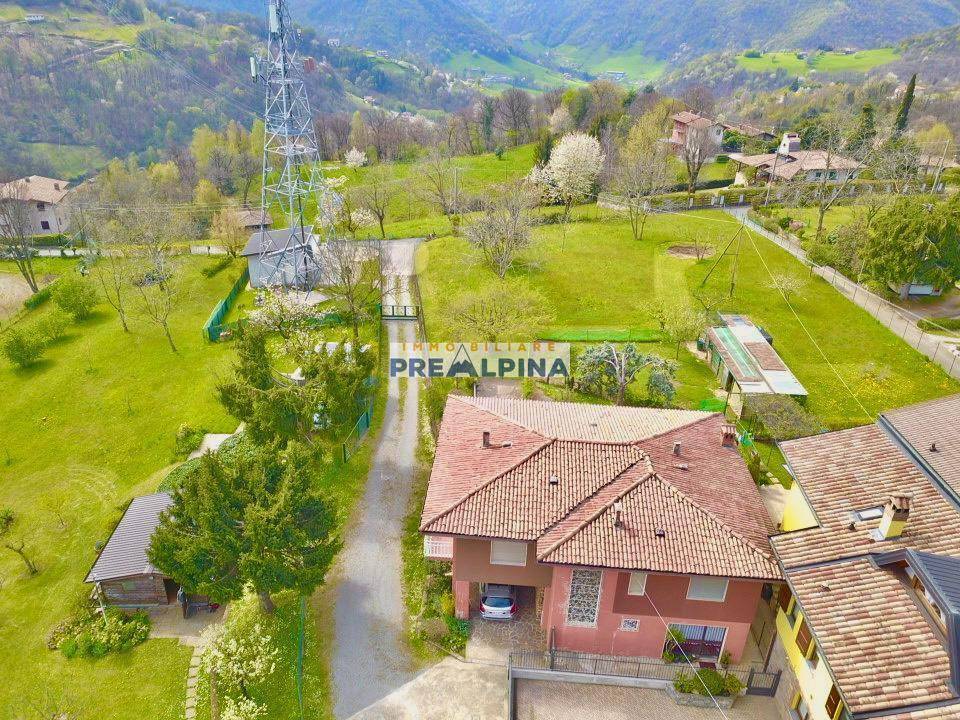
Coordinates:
x,y
498,602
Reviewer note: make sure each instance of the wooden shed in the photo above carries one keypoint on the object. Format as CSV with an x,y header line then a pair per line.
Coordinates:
x,y
122,572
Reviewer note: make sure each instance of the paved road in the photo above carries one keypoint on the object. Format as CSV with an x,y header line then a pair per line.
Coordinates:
x,y
902,323
370,658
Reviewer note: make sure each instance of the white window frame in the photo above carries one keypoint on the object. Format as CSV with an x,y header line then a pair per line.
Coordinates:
x,y
508,547
692,595
637,579
596,607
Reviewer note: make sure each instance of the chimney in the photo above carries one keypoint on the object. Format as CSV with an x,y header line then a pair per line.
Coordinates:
x,y
554,480
618,514
56,186
676,447
486,439
895,513
728,435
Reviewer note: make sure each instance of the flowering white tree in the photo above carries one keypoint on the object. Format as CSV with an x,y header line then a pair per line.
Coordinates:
x,y
242,709
561,121
355,158
572,171
281,312
238,656
362,218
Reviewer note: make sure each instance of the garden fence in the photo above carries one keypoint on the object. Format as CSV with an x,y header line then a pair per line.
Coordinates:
x,y
356,435
214,327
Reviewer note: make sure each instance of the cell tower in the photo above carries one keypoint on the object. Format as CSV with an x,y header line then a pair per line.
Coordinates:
x,y
291,162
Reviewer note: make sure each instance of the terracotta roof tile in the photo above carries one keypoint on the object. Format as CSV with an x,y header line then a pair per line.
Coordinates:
x,y
882,651
597,453
935,421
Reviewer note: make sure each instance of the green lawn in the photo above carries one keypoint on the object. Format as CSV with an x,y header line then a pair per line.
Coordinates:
x,y
835,217
87,429
828,62
595,275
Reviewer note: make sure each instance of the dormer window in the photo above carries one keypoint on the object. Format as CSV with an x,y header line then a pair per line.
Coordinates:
x,y
926,599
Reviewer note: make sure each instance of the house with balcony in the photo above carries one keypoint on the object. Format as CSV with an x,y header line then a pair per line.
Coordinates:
x,y
627,525
687,125
869,619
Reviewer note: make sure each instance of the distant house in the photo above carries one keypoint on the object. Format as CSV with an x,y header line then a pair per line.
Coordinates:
x,y
44,200
619,527
34,18
273,243
790,162
383,54
333,42
684,122
122,573
615,75
750,131
251,219
742,357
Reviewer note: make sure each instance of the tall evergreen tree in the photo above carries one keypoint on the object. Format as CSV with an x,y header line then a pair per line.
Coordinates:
x,y
903,112
251,517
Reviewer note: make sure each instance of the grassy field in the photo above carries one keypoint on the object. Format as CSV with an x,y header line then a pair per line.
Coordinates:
x,y
67,161
638,66
595,275
535,76
85,430
828,62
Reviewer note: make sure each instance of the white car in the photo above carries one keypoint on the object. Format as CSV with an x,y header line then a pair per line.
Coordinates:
x,y
498,602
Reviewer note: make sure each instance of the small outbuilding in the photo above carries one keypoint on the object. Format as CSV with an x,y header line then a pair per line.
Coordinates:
x,y
275,243
122,572
742,356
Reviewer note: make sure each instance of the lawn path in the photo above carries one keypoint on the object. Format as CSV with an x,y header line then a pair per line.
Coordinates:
x,y
371,658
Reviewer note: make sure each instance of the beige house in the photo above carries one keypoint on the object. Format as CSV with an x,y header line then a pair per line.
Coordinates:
x,y
790,162
687,125
44,199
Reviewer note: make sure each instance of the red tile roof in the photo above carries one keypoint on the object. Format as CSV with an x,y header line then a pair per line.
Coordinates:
x,y
883,651
933,422
599,454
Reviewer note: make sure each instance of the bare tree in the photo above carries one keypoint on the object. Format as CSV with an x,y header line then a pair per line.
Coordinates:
x,y
16,230
352,276
438,180
699,98
699,146
513,114
376,193
642,171
246,169
227,231
787,285
157,291
502,230
113,267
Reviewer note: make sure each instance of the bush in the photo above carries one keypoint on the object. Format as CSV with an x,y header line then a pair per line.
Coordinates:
x,y
87,634
708,681
52,326
23,346
188,440
76,296
39,298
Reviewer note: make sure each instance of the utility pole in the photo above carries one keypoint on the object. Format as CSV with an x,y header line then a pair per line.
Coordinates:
x,y
291,176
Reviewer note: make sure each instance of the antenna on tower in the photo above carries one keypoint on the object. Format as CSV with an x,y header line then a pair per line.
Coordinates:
x,y
291,177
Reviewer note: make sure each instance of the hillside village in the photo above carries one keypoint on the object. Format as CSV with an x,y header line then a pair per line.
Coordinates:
x,y
504,383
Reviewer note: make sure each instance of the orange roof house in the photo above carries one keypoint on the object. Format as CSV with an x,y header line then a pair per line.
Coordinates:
x,y
648,517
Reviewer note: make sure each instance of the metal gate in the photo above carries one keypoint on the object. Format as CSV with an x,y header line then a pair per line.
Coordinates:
x,y
399,312
761,682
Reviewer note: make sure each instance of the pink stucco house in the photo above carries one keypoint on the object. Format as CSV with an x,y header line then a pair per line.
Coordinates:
x,y
626,521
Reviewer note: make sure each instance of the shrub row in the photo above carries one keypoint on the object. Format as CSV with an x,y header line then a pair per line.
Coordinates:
x,y
88,634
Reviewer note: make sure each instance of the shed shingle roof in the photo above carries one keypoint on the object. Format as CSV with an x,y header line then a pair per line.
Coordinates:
x,y
125,553
935,421
598,454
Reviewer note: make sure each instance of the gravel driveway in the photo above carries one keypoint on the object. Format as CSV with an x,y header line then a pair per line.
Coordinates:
x,y
370,657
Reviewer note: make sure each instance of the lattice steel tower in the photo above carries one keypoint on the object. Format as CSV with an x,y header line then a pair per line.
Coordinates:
x,y
291,176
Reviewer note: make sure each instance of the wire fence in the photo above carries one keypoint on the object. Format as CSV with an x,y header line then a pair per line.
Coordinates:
x,y
214,328
943,349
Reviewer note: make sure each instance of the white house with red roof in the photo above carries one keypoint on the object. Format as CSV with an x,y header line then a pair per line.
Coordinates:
x,y
628,522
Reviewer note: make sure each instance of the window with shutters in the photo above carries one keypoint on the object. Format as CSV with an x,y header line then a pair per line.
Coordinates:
x,y
833,702
800,710
804,638
784,598
584,598
505,552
